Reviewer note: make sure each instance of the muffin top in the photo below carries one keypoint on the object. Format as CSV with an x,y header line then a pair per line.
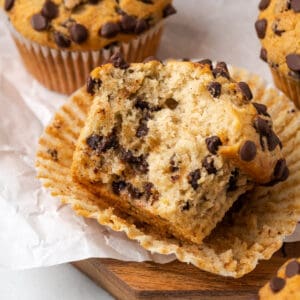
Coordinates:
x,y
278,27
84,24
285,285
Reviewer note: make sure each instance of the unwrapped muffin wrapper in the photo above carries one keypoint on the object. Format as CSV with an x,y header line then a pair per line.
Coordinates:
x,y
289,85
254,232
65,71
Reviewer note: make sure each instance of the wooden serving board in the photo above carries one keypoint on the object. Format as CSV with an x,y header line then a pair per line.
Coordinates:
x,y
175,280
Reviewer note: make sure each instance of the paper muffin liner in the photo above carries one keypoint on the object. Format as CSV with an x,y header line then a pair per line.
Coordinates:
x,y
289,85
244,236
65,71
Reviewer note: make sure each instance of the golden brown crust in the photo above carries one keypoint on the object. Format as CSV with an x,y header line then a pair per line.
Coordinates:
x,y
92,16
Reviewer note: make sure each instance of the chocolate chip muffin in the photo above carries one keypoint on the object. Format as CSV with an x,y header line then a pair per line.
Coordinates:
x,y
277,28
61,41
175,144
285,285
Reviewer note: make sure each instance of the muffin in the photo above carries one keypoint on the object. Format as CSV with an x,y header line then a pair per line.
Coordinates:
x,y
175,144
285,285
278,30
60,41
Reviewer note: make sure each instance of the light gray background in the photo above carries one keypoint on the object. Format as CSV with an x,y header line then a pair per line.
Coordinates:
x,y
220,30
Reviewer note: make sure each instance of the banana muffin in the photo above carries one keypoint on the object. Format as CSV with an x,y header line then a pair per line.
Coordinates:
x,y
61,41
175,144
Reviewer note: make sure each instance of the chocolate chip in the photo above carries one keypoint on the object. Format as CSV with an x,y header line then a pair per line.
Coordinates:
x,y
53,153
233,180
213,143
134,192
171,103
261,27
138,162
264,54
273,141
245,90
208,164
185,59
295,5
39,22
50,10
277,284
151,58
193,178
186,206
128,24
169,10
118,61
174,178
8,4
293,62
109,30
78,33
146,1
142,130
275,29
262,127
93,1
281,171
206,62
92,84
263,4
140,104
173,166
261,109
221,70
215,89
141,26
118,186
292,269
148,190
248,151
94,140
61,40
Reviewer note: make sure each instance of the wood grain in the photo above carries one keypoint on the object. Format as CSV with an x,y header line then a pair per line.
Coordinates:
x,y
137,281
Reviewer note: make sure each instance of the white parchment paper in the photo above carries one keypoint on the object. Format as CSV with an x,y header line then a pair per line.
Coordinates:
x,y
35,229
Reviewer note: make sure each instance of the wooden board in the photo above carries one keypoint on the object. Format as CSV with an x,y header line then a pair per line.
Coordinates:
x,y
136,281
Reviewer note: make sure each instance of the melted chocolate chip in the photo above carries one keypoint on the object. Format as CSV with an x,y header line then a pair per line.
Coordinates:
x,y
142,130
295,5
128,24
281,171
293,62
118,61
134,192
146,1
233,180
78,33
264,54
50,10
141,26
173,166
275,29
39,22
61,40
93,141
138,162
245,90
53,153
93,1
208,164
206,62
261,27
169,10
277,284
213,143
186,206
261,109
171,103
8,4
92,84
193,178
248,151
292,269
109,30
151,58
118,186
221,70
215,89
148,190
102,143
140,104
264,4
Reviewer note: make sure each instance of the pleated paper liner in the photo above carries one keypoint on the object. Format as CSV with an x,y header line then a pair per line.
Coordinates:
x,y
248,233
65,71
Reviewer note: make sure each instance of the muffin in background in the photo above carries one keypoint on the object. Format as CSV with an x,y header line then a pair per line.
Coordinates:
x,y
286,283
61,41
278,28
